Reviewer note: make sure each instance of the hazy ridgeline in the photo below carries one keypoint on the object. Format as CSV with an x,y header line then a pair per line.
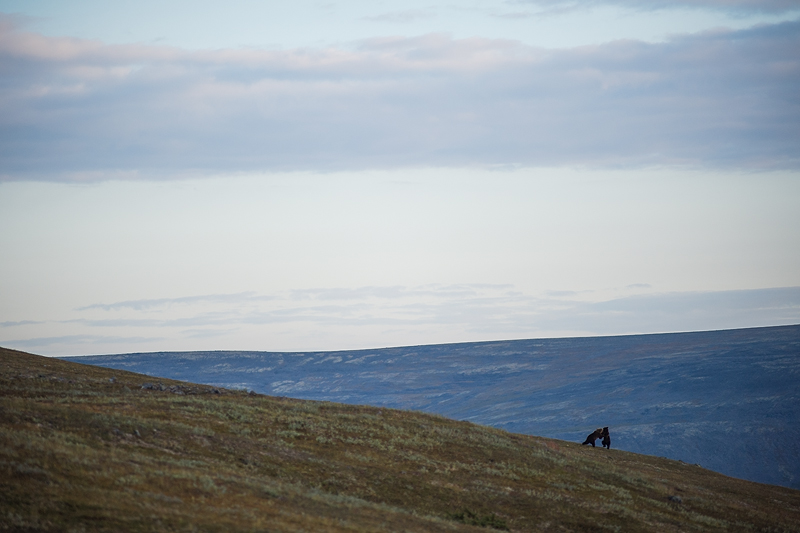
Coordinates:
x,y
727,400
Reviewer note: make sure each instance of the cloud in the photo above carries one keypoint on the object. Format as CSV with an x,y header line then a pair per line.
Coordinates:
x,y
79,340
11,324
765,6
681,311
402,17
398,291
206,333
412,315
81,110
141,305
493,309
515,15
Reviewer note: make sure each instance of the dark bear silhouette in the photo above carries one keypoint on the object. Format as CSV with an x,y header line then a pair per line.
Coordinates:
x,y
598,433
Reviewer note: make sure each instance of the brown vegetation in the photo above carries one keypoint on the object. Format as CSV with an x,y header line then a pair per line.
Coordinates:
x,y
88,449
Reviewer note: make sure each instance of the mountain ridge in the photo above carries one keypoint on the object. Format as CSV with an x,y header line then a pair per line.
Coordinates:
x,y
725,399
86,447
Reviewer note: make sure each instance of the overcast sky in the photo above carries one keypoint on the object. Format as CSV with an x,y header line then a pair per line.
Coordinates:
x,y
312,175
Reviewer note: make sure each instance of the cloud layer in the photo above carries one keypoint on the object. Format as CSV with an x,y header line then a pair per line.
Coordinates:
x,y
727,5
78,109
369,317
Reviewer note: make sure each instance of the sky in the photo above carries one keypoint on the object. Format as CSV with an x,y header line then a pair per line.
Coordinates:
x,y
256,175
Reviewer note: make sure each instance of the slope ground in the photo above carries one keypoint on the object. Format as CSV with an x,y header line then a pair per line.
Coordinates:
x,y
90,448
727,400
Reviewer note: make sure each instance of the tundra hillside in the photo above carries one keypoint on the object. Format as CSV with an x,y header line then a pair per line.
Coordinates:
x,y
85,448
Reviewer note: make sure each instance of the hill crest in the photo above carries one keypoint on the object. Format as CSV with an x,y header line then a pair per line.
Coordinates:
x,y
83,446
727,400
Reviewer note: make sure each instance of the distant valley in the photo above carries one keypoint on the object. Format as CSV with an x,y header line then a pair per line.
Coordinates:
x,y
726,400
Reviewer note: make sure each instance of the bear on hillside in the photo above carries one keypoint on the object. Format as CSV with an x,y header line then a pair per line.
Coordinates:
x,y
606,438
597,434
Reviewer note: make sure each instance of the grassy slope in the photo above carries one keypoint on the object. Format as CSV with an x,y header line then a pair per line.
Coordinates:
x,y
80,452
